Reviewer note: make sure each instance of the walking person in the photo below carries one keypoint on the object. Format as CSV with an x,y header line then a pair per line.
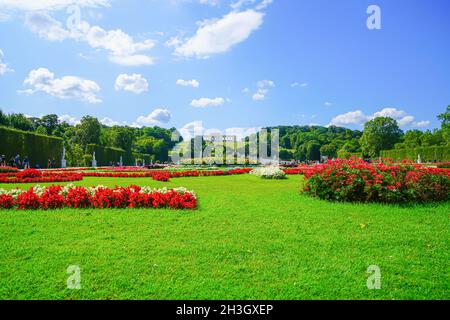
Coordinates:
x,y
26,163
17,161
49,164
53,163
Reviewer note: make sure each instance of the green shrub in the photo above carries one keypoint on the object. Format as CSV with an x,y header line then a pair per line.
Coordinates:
x,y
38,148
427,154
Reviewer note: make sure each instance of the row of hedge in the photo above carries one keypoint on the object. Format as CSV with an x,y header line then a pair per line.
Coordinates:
x,y
427,154
38,148
106,155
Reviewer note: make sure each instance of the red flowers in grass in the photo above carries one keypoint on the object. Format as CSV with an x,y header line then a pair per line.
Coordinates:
x,y
161,176
78,197
8,169
100,197
27,200
37,176
6,201
356,180
29,174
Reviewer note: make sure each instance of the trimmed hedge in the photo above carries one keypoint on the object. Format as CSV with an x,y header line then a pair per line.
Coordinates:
x,y
141,156
104,155
38,148
427,154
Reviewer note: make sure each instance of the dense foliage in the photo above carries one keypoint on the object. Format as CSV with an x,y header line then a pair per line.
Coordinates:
x,y
311,142
149,143
38,148
356,180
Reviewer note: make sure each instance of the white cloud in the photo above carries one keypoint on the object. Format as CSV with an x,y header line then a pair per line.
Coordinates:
x,y
349,118
207,102
135,83
174,42
210,2
122,48
328,104
69,119
191,129
298,84
46,27
109,122
359,118
220,35
238,4
263,4
188,83
157,117
421,124
33,5
3,66
262,89
67,87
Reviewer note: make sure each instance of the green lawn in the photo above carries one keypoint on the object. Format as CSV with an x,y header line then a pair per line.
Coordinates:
x,y
250,239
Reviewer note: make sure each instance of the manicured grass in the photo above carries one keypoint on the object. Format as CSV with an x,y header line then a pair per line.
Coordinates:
x,y
249,239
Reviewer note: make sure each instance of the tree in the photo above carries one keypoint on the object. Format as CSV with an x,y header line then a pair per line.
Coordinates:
x,y
19,121
4,121
329,150
41,130
161,150
49,122
412,139
445,124
313,151
122,137
381,133
88,131
445,118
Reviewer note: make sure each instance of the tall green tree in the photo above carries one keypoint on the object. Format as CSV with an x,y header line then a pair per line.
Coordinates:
x,y
445,125
49,122
381,133
88,131
19,121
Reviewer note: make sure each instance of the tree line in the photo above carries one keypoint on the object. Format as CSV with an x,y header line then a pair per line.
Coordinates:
x,y
382,133
154,141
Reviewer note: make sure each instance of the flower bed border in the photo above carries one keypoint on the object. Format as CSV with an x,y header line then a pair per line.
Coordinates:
x,y
99,197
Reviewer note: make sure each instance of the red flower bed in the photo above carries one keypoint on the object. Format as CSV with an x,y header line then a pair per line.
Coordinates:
x,y
8,169
356,180
37,176
100,197
165,175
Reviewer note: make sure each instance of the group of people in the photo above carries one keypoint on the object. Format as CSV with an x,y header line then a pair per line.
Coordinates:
x,y
17,162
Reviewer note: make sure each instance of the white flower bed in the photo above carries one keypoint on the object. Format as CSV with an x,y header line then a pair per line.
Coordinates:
x,y
269,173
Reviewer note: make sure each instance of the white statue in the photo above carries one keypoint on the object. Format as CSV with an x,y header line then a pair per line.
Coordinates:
x,y
63,160
121,162
94,161
419,159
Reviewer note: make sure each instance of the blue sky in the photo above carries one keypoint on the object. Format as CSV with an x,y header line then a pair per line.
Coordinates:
x,y
229,64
